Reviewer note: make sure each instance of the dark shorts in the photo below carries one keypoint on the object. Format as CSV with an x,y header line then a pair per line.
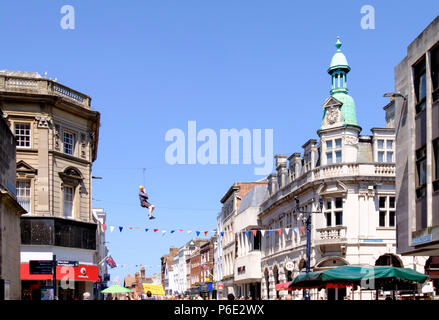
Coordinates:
x,y
145,204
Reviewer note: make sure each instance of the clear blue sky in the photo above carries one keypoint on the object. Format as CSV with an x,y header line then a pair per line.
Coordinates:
x,y
151,66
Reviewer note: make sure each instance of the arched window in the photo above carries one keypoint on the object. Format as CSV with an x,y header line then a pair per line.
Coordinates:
x,y
389,259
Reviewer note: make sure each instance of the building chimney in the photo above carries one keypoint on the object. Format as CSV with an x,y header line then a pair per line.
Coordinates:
x,y
281,169
142,273
272,183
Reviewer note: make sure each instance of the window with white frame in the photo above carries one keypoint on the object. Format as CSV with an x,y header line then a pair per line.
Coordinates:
x,y
22,134
23,194
334,212
69,195
387,211
69,143
385,150
334,151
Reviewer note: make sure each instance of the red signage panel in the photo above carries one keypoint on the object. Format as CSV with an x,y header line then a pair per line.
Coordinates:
x,y
79,273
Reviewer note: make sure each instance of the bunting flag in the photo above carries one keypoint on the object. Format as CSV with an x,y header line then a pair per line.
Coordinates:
x,y
111,228
246,233
155,230
181,230
222,233
120,228
104,227
146,230
189,232
254,233
198,233
303,230
270,232
279,231
287,230
172,231
131,228
262,232
205,233
163,232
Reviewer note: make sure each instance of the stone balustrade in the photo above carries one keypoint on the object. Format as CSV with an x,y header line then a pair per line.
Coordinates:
x,y
331,234
42,86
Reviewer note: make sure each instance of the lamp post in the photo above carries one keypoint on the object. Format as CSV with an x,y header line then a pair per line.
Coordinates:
x,y
308,222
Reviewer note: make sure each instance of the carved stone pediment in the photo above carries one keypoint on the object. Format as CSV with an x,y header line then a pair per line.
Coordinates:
x,y
71,176
24,168
43,121
333,114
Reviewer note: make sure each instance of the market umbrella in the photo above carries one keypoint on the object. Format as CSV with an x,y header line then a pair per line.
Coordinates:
x,y
116,289
349,275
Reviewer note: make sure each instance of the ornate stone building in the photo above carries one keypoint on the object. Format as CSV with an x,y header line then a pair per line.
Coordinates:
x,y
353,176
57,134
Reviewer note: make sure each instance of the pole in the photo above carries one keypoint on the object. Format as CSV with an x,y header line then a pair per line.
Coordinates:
x,y
54,276
308,251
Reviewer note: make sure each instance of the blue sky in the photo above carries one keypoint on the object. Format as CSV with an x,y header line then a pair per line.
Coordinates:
x,y
151,66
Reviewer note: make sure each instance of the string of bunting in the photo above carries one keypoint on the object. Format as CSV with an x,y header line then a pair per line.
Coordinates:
x,y
206,232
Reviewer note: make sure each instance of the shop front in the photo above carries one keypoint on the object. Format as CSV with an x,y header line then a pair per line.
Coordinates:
x,y
71,282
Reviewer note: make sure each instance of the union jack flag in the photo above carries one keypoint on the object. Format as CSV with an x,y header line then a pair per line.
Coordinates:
x,y
110,261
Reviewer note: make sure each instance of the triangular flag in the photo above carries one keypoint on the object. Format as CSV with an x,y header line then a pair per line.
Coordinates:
x,y
287,230
198,233
279,231
131,228
190,231
222,233
254,233
230,231
163,232
263,232
111,228
181,230
120,228
205,233
172,231
271,232
146,230
246,233
303,230
155,230
104,227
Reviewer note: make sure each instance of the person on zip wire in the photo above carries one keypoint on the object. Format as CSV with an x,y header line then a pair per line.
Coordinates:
x,y
144,202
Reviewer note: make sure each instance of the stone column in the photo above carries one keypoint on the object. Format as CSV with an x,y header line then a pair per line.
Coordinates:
x,y
42,189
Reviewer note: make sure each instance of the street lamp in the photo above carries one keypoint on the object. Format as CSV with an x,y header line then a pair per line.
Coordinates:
x,y
306,220
395,95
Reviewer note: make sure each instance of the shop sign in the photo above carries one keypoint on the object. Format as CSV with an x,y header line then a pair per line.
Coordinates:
x,y
41,267
289,266
220,287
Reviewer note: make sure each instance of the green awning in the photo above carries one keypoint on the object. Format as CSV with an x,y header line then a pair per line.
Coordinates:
x,y
349,275
116,289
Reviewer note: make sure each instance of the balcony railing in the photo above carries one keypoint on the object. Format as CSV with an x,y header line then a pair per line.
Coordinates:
x,y
42,86
331,235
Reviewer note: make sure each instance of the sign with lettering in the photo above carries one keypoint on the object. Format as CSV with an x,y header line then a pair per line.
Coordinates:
x,y
41,267
289,266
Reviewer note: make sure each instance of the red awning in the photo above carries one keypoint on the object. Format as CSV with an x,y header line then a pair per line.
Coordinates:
x,y
282,286
80,273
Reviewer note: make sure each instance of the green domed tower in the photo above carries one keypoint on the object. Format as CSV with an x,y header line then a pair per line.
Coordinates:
x,y
339,108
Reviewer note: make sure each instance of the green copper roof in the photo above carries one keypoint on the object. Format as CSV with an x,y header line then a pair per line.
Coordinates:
x,y
348,109
339,60
338,69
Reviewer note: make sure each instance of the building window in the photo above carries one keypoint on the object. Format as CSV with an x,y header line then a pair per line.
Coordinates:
x,y
329,158
386,211
385,150
334,212
420,85
69,194
421,172
334,152
23,194
435,72
69,143
22,134
436,165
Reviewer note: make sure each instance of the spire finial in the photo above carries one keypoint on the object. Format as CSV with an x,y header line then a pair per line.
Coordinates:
x,y
338,43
